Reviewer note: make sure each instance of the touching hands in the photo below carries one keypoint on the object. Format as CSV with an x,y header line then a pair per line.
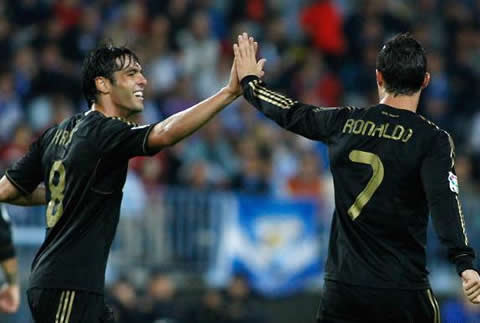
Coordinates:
x,y
233,86
471,285
245,63
245,57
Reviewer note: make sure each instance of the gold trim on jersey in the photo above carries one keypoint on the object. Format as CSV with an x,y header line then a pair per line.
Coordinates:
x,y
450,140
429,122
462,219
257,83
436,309
460,212
65,307
452,148
60,305
268,97
70,305
130,123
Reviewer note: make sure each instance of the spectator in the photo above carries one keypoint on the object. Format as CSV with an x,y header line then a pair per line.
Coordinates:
x,y
10,110
308,181
82,37
198,42
240,307
210,309
213,148
161,304
322,21
18,146
124,302
251,178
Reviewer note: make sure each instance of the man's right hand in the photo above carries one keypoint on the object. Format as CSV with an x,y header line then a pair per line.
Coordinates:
x,y
245,57
471,285
9,298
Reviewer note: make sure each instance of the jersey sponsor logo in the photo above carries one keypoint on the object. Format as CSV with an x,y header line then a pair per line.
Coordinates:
x,y
384,130
453,182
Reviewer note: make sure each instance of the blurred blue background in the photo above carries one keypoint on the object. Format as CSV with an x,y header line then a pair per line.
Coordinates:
x,y
231,225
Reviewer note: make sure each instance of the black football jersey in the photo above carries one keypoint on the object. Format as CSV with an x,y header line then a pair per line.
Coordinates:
x,y
391,168
83,162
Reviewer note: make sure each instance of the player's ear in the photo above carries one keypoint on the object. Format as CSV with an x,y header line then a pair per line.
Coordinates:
x,y
380,80
102,84
426,80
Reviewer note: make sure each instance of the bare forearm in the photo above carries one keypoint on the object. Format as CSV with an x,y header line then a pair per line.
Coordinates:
x,y
38,197
10,270
12,195
183,124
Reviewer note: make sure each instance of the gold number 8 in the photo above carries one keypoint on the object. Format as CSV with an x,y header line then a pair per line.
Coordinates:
x,y
55,206
363,157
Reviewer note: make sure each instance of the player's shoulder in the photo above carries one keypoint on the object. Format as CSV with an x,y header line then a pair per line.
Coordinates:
x,y
120,120
340,110
95,121
356,111
431,127
96,116
435,135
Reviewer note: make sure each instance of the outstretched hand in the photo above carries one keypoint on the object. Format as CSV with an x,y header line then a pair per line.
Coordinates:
x,y
471,285
233,86
245,57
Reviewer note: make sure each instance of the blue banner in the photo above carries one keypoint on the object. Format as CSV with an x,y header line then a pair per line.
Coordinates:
x,y
272,242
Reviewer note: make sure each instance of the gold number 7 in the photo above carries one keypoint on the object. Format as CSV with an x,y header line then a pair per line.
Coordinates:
x,y
363,157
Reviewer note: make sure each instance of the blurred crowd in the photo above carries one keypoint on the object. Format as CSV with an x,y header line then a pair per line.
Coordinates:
x,y
161,302
321,52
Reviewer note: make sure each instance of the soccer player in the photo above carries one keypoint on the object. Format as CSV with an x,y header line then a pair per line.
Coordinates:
x,y
83,162
391,168
9,292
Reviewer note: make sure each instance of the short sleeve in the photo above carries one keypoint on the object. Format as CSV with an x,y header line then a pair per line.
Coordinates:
x,y
26,173
123,139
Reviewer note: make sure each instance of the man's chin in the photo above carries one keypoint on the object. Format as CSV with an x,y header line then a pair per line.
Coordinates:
x,y
137,108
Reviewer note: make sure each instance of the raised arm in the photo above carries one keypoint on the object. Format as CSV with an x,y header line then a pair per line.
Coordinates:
x,y
316,123
184,123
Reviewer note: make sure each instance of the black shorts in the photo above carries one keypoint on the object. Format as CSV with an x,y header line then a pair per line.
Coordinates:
x,y
343,303
67,306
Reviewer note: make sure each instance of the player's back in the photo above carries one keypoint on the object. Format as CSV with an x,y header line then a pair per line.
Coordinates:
x,y
378,233
83,162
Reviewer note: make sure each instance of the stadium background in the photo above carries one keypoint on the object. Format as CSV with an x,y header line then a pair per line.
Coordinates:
x,y
321,52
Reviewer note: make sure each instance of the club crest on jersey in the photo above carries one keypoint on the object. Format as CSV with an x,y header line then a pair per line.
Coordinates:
x,y
453,181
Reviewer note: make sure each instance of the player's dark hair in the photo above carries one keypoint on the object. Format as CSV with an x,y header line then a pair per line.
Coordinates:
x,y
403,64
104,61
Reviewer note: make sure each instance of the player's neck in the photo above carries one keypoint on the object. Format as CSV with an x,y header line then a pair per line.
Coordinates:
x,y
404,102
110,110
